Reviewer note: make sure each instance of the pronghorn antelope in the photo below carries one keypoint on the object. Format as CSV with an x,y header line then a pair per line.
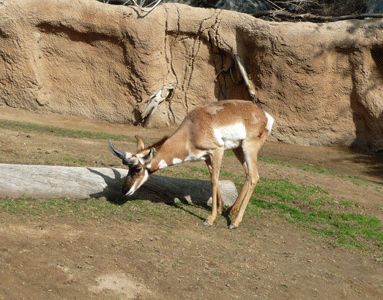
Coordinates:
x,y
205,134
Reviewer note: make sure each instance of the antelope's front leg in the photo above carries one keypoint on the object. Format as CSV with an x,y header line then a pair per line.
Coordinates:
x,y
216,160
219,196
219,200
210,219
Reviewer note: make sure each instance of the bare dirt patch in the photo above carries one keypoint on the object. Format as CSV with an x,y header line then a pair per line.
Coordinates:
x,y
145,250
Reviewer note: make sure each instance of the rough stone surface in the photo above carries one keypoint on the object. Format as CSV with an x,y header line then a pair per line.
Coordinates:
x,y
322,82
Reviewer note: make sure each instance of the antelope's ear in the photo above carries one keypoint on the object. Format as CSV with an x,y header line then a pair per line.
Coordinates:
x,y
140,143
152,153
149,157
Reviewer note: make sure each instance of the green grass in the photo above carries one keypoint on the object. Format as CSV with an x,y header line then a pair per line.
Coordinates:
x,y
303,167
62,132
310,207
356,180
79,209
285,190
313,209
26,209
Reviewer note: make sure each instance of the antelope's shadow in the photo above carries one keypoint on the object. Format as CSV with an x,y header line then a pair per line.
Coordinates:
x,y
164,189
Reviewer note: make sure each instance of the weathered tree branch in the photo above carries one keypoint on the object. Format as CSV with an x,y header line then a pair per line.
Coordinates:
x,y
141,7
282,15
243,72
154,100
147,9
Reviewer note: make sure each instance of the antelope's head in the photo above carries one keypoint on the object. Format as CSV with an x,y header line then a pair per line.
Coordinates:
x,y
138,164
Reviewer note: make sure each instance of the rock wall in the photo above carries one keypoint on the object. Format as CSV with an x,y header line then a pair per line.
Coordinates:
x,y
322,82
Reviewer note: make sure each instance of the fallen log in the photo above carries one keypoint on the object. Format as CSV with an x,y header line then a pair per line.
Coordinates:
x,y
53,182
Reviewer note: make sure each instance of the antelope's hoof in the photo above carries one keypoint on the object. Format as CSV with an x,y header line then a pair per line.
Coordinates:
x,y
206,223
233,227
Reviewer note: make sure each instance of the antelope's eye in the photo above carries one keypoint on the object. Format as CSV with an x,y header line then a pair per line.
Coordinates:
x,y
135,169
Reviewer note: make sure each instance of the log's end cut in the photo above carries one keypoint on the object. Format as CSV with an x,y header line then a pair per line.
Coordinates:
x,y
53,182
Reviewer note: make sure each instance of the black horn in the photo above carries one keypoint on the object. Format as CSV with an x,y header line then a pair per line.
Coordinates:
x,y
115,151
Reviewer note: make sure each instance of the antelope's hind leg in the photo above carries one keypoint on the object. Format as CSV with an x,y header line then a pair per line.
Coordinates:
x,y
241,157
250,154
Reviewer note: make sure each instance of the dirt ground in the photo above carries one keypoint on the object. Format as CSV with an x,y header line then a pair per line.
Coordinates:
x,y
175,257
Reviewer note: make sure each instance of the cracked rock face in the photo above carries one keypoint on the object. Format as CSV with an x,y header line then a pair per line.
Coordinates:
x,y
323,83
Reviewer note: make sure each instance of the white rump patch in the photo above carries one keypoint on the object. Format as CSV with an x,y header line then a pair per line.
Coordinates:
x,y
270,122
162,164
230,136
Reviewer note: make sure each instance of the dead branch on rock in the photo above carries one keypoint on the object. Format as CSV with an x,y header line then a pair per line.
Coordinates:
x,y
145,8
242,70
156,99
141,5
283,15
